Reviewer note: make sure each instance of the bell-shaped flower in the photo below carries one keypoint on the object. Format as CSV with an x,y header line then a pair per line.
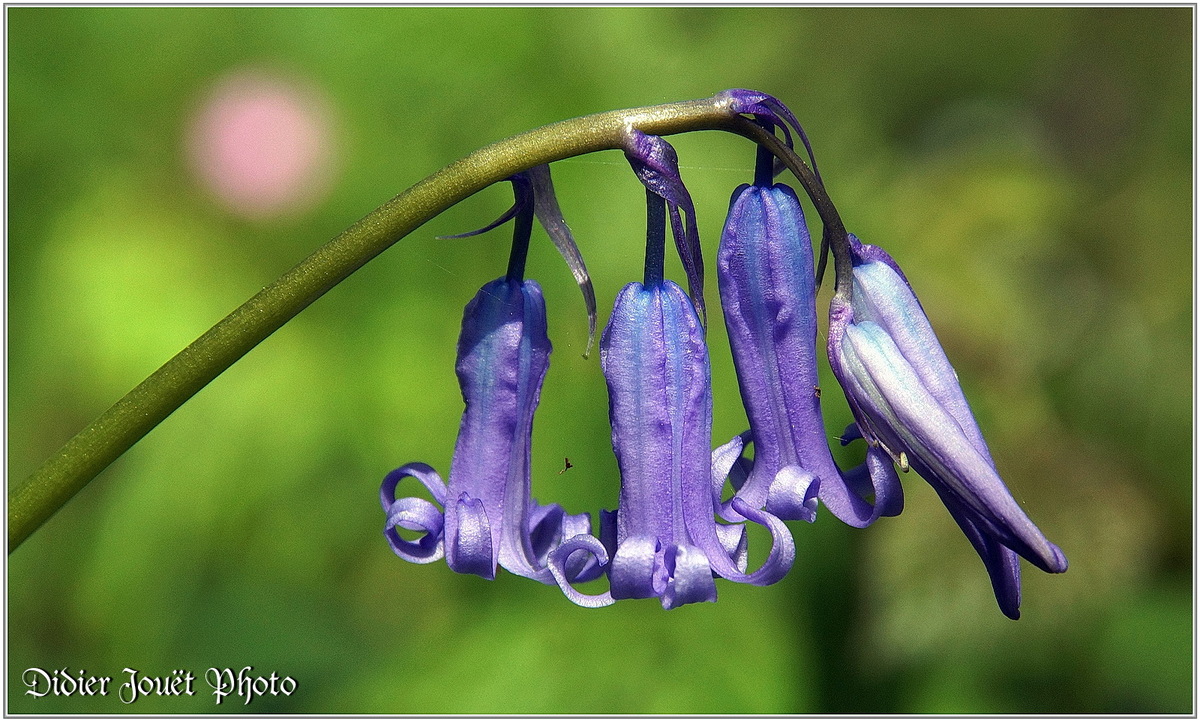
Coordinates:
x,y
768,294
907,400
489,518
668,543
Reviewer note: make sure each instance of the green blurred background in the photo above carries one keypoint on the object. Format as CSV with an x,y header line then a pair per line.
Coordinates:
x,y
1031,169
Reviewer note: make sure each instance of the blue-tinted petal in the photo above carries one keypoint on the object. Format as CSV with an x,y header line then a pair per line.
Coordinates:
x,y
689,577
793,494
656,365
423,473
636,570
549,526
883,296
503,354
469,539
415,514
579,551
1002,564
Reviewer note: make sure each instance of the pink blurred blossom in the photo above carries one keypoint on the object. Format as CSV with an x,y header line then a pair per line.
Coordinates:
x,y
262,144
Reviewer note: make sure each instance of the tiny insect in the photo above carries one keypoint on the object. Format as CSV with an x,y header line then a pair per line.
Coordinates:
x,y
566,465
817,391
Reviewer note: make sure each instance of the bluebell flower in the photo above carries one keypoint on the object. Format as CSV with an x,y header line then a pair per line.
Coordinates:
x,y
768,294
907,401
488,517
667,542
671,534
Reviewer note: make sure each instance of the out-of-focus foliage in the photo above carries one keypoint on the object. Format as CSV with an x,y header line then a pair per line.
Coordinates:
x,y
1030,168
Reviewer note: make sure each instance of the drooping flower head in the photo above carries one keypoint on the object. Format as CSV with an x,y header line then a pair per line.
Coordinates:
x,y
671,534
907,401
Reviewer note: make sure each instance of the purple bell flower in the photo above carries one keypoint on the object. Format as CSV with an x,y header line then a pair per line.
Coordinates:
x,y
668,543
907,401
487,516
768,294
489,519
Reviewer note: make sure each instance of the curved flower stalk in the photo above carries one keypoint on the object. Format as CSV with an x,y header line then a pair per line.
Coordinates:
x,y
768,294
907,401
770,113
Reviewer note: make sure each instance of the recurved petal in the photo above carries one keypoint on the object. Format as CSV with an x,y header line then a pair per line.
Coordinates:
x,y
793,494
779,559
689,577
469,542
636,570
734,542
423,473
549,526
581,550
725,459
415,514
875,477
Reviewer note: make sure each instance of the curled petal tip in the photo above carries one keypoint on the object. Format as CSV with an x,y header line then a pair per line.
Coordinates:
x,y
793,494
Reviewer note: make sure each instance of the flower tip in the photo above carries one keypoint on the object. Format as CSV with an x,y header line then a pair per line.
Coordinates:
x,y
1060,560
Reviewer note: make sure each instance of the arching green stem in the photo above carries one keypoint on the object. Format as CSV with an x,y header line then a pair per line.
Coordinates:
x,y
33,501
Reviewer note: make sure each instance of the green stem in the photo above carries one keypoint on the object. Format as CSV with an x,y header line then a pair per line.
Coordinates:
x,y
87,454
